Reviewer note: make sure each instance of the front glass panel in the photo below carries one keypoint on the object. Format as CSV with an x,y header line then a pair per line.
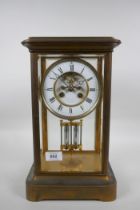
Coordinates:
x,y
70,111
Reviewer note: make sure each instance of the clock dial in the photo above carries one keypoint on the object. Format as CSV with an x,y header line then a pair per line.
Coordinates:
x,y
71,88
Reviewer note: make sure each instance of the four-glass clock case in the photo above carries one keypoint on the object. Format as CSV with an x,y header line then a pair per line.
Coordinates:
x,y
71,88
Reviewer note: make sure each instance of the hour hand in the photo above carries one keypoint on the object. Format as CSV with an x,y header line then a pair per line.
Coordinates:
x,y
64,87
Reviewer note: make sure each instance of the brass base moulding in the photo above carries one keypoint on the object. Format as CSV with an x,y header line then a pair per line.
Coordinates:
x,y
72,187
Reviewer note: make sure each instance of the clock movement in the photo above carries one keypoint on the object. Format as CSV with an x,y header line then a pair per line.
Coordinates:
x,y
71,90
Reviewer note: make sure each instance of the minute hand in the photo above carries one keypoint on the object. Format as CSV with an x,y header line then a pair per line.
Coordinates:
x,y
81,82
63,82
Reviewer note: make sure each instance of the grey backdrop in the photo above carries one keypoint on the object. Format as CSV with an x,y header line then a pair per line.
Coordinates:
x,y
21,19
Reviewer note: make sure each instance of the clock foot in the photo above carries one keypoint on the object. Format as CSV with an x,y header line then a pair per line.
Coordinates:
x,y
62,187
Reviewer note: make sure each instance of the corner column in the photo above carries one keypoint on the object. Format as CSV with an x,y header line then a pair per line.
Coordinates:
x,y
106,112
35,111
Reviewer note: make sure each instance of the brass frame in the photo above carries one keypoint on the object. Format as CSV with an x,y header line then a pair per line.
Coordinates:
x,y
44,113
98,122
35,96
36,137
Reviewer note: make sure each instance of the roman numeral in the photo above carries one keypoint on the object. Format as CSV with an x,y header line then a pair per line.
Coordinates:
x,y
89,100
82,70
60,107
71,67
92,89
89,78
60,70
52,99
49,89
52,78
70,110
82,108
57,75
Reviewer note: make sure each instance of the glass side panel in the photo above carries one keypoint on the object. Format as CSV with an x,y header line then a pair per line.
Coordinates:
x,y
70,110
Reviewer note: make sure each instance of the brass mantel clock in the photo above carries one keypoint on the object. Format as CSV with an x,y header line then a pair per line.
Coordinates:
x,y
71,88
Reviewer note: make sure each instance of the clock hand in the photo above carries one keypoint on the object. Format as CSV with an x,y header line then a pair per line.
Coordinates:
x,y
64,87
77,87
81,82
63,82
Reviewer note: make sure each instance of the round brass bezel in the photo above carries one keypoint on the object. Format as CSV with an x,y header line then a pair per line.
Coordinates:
x,y
99,86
